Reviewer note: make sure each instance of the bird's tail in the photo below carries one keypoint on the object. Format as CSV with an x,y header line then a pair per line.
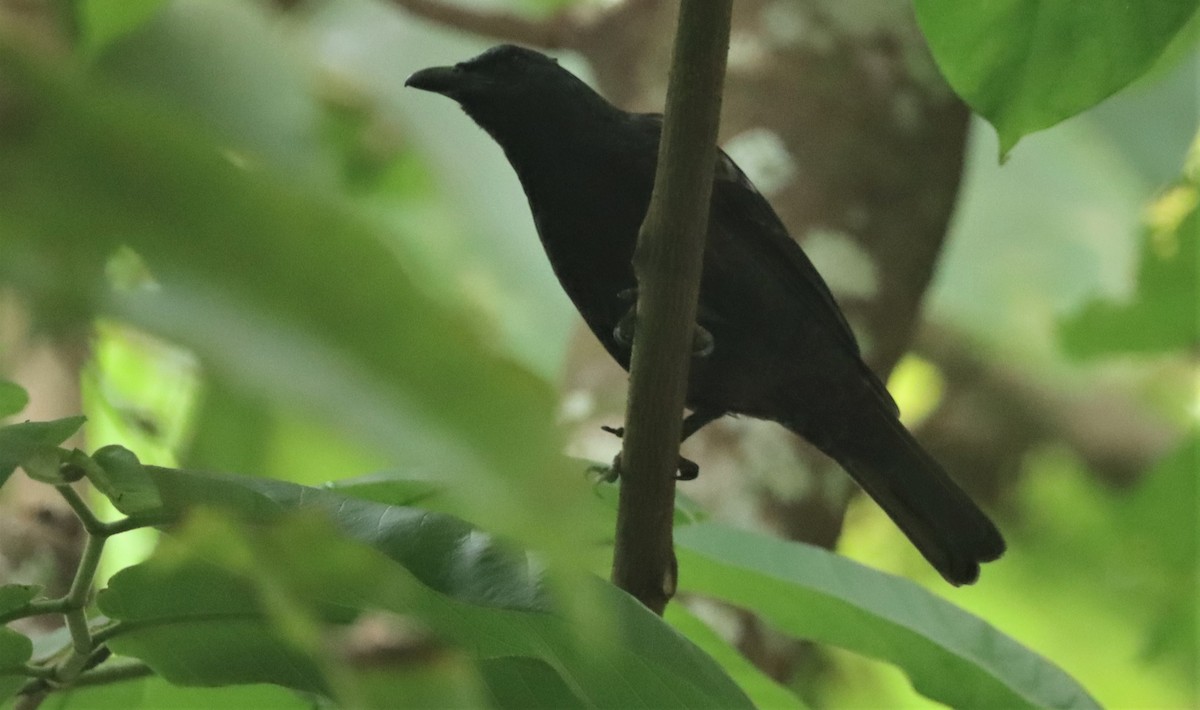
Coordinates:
x,y
913,489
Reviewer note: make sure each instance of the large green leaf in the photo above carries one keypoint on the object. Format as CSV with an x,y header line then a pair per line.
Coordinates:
x,y
104,21
154,693
278,579
810,593
20,442
762,689
286,296
1025,65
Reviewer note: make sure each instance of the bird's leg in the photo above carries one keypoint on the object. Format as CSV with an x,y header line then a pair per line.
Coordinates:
x,y
688,470
702,340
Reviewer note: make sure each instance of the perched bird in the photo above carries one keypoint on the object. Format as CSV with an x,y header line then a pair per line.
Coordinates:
x,y
780,348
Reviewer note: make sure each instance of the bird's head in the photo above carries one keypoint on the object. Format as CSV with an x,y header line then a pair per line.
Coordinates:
x,y
512,90
499,73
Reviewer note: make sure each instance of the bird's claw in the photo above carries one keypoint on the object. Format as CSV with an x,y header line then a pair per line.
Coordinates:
x,y
686,469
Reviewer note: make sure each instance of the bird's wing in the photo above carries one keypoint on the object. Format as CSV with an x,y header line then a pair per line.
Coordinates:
x,y
740,208
742,212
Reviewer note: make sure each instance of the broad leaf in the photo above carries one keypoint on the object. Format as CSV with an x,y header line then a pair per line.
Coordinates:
x,y
20,442
125,481
950,655
286,296
1025,65
762,689
280,581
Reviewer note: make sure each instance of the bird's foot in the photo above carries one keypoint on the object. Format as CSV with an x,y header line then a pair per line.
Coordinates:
x,y
702,340
686,469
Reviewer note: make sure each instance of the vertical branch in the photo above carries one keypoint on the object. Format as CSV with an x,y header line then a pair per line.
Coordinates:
x,y
668,263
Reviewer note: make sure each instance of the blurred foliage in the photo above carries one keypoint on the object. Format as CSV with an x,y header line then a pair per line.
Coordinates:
x,y
296,271
1026,66
1162,313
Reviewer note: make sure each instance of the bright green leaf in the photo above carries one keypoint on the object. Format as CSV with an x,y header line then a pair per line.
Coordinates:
x,y
13,398
286,297
124,481
107,20
1025,65
20,442
810,593
154,693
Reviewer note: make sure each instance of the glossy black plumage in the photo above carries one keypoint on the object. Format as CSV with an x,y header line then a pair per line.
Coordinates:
x,y
782,350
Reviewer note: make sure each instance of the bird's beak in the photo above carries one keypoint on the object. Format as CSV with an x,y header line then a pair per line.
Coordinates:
x,y
439,80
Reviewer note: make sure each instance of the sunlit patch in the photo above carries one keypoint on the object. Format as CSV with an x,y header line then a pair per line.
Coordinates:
x,y
917,386
1166,214
747,52
237,159
576,405
764,157
847,267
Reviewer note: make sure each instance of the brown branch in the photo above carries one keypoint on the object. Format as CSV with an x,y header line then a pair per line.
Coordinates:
x,y
667,263
559,31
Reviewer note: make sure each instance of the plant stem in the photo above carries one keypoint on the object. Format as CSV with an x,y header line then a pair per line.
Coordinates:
x,y
668,263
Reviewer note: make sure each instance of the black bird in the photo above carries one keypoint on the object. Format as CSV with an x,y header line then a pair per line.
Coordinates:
x,y
780,348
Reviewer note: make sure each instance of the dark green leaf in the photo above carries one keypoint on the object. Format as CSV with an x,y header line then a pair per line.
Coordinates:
x,y
1025,65
810,593
282,578
13,398
20,442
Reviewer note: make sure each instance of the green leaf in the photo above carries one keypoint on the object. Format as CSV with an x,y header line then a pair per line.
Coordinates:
x,y
124,481
278,581
1025,65
15,652
14,597
20,442
950,656
104,21
285,295
154,693
763,690
1162,315
13,398
527,683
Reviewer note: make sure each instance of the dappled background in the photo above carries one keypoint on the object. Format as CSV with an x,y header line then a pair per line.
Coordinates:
x,y
1029,312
